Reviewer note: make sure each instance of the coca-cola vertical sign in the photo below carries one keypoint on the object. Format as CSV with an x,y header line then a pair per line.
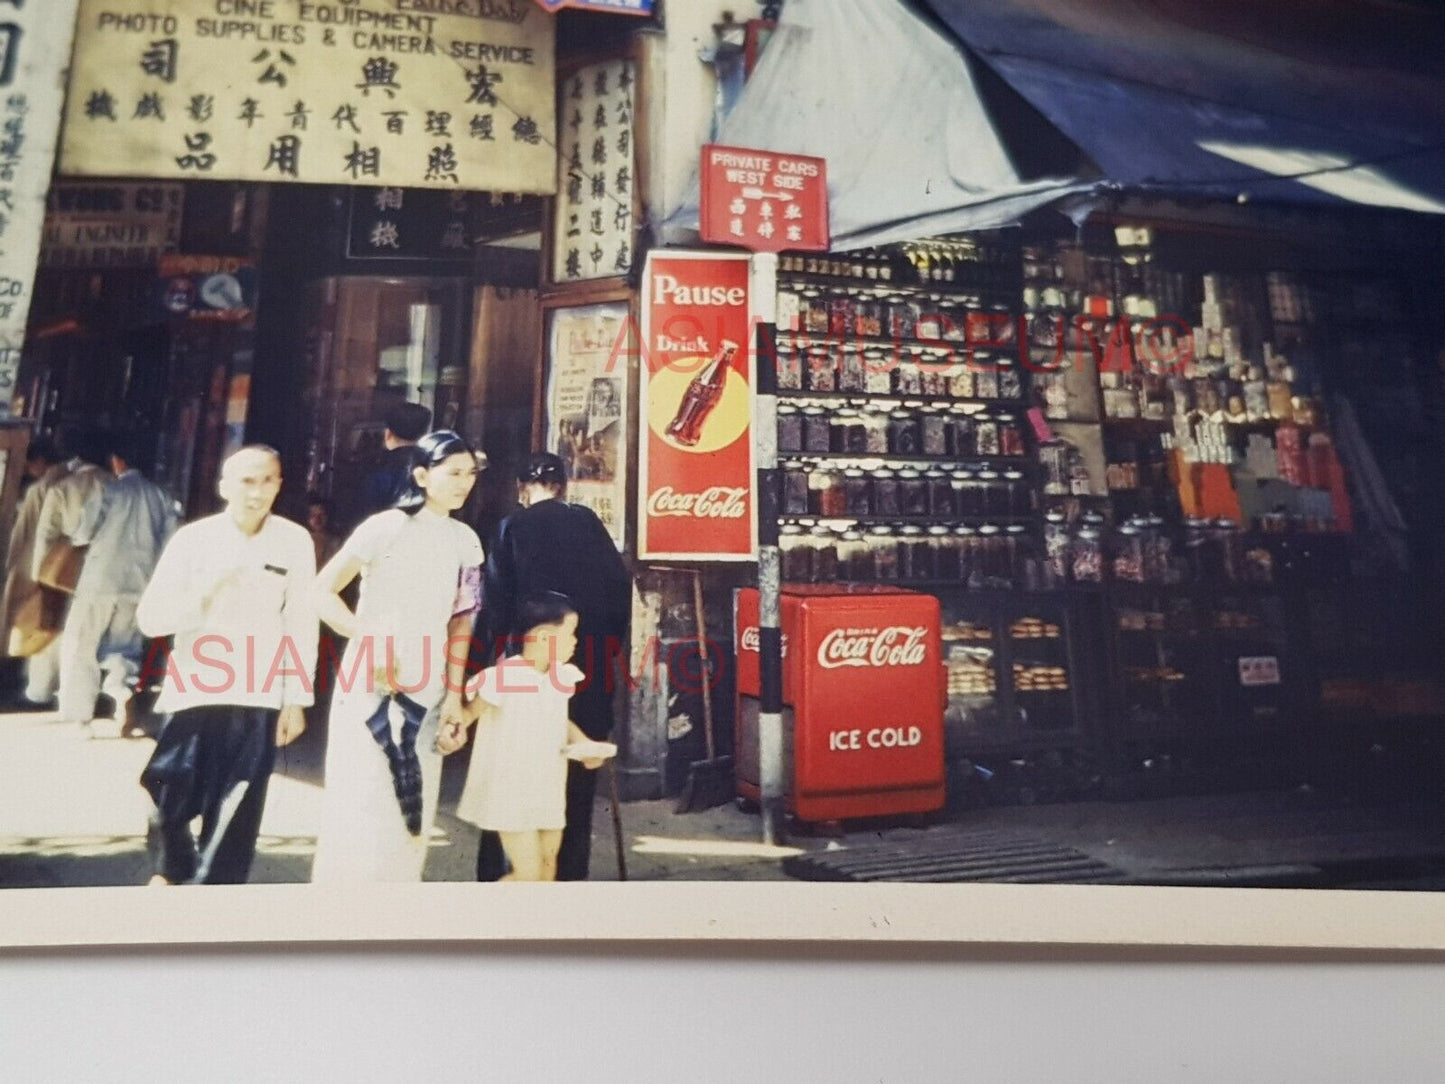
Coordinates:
x,y
696,459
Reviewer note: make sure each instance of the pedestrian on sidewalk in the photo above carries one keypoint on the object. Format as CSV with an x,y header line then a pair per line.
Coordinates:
x,y
45,466
235,591
56,527
400,680
124,527
406,423
517,779
550,545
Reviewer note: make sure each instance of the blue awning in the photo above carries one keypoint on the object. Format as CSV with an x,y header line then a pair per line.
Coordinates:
x,y
1298,101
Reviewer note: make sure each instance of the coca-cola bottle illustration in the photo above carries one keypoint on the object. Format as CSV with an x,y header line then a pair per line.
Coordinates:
x,y
702,396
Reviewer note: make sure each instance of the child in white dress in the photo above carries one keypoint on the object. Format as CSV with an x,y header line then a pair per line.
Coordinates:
x,y
517,780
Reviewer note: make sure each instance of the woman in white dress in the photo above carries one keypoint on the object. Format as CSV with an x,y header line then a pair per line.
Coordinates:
x,y
398,685
517,779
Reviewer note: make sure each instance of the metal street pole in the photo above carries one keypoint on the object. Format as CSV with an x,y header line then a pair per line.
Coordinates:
x,y
771,766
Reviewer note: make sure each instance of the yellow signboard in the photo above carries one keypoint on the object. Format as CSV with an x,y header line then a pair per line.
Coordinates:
x,y
404,93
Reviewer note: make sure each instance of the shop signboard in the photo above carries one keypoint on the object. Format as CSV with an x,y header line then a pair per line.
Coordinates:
x,y
763,201
696,455
207,288
616,7
1256,670
587,393
34,47
97,224
425,224
355,92
592,228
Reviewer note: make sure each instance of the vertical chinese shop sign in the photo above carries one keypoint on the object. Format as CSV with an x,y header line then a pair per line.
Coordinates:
x,y
34,50
696,458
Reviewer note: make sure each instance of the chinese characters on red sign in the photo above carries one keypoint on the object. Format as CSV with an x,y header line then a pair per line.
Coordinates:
x,y
696,457
762,201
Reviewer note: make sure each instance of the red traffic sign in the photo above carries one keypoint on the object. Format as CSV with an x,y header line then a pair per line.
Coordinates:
x,y
763,201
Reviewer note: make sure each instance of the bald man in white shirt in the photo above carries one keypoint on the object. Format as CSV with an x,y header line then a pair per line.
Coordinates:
x,y
234,590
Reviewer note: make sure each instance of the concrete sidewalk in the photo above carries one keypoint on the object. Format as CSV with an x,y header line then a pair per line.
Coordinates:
x,y
72,813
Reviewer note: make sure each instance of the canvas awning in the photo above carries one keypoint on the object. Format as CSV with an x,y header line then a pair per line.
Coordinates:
x,y
1300,101
891,103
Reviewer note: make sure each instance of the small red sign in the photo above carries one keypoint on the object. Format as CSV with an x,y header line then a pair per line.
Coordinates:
x,y
696,457
763,201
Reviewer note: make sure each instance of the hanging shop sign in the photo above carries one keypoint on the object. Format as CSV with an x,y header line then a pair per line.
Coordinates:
x,y
587,393
617,7
696,455
763,201
34,47
424,224
592,231
93,224
358,92
207,288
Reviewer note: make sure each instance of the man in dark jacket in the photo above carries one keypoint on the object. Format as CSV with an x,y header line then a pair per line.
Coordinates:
x,y
550,545
406,423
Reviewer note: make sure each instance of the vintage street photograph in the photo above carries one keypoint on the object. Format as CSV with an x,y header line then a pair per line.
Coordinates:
x,y
818,443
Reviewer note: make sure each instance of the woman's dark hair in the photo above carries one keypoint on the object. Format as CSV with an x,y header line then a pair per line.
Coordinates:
x,y
431,451
544,468
542,608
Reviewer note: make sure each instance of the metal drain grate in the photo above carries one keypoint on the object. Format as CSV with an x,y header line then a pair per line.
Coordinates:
x,y
980,856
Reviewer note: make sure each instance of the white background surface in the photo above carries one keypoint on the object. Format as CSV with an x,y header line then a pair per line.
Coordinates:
x,y
720,1013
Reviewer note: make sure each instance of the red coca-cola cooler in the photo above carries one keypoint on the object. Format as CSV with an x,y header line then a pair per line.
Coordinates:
x,y
863,689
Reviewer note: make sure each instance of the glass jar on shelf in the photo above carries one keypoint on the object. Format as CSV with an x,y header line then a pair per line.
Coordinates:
x,y
940,494
903,312
912,546
796,552
963,438
1230,542
875,432
1020,497
986,435
878,368
933,366
825,554
965,541
1086,556
945,553
814,312
858,492
912,493
1158,550
822,370
903,433
1056,549
991,557
1010,381
868,316
852,556
995,496
790,308
795,490
1054,458
967,493
851,376
825,493
816,430
855,432
885,492
908,380
1010,435
933,432
985,376
840,316
1129,553
790,429
883,548
1018,550
789,366
962,380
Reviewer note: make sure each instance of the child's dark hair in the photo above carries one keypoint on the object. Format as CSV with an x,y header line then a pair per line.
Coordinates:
x,y
544,468
432,450
542,608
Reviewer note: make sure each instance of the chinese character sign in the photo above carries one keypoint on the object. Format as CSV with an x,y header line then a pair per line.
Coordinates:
x,y
695,457
592,234
34,48
763,201
100,224
587,394
356,92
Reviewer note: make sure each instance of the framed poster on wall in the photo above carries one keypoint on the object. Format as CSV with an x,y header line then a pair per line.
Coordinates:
x,y
587,396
